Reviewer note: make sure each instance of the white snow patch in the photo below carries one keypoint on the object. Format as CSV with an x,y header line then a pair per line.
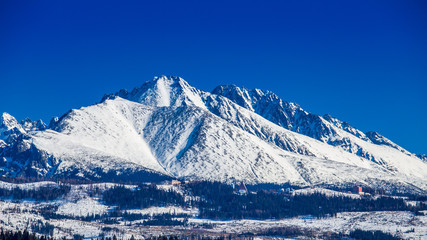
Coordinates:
x,y
162,210
327,192
83,207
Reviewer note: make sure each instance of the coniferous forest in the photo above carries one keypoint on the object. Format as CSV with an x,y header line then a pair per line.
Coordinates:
x,y
214,200
219,201
144,196
282,232
43,193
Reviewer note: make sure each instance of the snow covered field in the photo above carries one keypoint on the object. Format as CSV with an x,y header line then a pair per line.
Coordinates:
x,y
19,215
324,191
405,224
401,223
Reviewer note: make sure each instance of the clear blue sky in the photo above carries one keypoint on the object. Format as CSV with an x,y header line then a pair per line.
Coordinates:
x,y
364,62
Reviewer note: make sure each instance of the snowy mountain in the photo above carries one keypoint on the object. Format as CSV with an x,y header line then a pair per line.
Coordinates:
x,y
29,125
10,129
291,116
168,129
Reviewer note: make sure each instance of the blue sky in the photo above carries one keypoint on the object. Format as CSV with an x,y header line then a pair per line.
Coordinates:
x,y
364,62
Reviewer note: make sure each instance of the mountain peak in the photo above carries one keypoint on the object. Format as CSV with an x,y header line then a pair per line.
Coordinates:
x,y
9,126
7,121
170,79
166,81
30,125
6,117
163,91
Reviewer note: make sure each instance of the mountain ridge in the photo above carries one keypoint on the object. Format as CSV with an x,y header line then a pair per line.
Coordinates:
x,y
292,117
168,128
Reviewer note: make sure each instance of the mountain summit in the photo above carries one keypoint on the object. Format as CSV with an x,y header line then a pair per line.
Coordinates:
x,y
168,129
163,92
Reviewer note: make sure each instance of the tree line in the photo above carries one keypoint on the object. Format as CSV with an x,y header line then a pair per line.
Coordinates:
x,y
143,197
44,193
218,201
21,235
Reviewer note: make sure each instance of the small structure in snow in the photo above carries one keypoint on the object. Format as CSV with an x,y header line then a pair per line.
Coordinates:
x,y
176,182
242,189
358,190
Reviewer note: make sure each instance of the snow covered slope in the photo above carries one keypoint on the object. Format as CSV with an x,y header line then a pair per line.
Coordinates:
x,y
370,145
168,128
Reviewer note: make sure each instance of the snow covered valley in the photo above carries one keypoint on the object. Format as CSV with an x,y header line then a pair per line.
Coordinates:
x,y
84,211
